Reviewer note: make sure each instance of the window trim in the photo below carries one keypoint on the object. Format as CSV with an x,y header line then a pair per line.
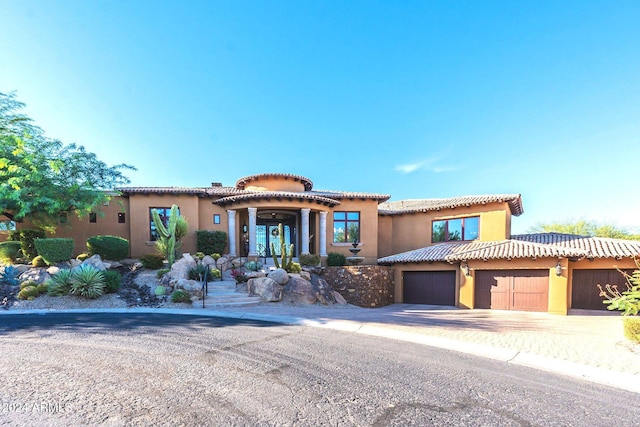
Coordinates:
x,y
446,230
216,219
93,217
348,239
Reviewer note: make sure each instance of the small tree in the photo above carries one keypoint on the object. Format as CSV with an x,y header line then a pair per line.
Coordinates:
x,y
171,234
626,301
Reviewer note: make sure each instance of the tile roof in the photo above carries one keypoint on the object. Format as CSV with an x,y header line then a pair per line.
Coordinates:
x,y
351,195
278,195
424,205
242,182
593,247
163,190
544,245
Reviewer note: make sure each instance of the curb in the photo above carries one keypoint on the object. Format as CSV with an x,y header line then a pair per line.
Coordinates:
x,y
593,374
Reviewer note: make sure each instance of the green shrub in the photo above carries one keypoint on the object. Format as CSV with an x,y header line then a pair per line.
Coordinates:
x,y
214,274
9,251
26,238
29,293
38,262
108,247
112,281
309,259
632,328
83,256
152,261
87,281
181,296
43,288
199,255
216,256
210,242
160,291
54,250
162,272
9,276
335,259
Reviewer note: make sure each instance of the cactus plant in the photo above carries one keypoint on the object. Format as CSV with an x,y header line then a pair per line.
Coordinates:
x,y
171,234
286,256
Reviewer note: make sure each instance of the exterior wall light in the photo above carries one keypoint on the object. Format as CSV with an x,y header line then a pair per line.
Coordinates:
x,y
558,269
244,228
467,270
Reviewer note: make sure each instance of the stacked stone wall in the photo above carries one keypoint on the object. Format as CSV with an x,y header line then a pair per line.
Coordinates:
x,y
362,285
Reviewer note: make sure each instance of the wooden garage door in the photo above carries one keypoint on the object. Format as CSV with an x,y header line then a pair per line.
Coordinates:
x,y
429,287
525,290
584,287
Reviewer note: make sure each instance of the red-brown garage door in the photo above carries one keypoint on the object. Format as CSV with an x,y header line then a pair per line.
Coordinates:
x,y
584,287
525,290
429,287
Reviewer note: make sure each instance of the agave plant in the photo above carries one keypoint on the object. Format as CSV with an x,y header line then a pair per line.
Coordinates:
x,y
9,276
60,283
87,281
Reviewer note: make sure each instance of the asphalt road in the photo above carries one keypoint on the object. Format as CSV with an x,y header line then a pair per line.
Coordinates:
x,y
140,369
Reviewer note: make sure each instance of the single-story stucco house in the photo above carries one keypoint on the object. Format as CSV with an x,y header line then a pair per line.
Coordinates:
x,y
457,251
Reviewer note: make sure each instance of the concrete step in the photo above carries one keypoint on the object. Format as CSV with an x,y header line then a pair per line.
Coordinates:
x,y
232,299
231,304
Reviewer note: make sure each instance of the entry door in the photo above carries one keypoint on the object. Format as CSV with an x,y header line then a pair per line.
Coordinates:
x,y
267,234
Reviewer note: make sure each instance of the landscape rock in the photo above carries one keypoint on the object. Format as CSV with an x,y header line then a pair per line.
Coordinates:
x,y
254,274
224,264
180,269
191,286
37,275
299,290
96,262
305,275
265,288
208,260
53,270
339,298
22,268
279,275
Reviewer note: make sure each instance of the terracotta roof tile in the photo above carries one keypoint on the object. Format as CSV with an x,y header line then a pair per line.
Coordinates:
x,y
248,195
433,253
162,190
594,247
425,205
351,195
242,182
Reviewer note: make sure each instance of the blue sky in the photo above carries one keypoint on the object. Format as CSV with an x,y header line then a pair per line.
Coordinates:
x,y
417,99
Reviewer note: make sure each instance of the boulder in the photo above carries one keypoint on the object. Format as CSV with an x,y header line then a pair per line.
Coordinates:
x,y
305,275
37,275
339,298
53,270
323,290
253,274
237,263
191,286
299,290
208,260
279,275
180,269
224,264
265,288
96,262
22,268
73,263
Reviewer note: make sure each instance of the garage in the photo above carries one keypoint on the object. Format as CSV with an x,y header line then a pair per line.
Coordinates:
x,y
585,294
523,290
429,287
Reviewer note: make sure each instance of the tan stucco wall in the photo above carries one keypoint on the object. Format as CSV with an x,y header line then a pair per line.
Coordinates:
x,y
385,236
275,184
81,229
368,229
413,230
139,205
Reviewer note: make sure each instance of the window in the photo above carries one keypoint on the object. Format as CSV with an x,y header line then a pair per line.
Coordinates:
x,y
7,225
164,214
455,229
216,218
122,218
63,218
346,227
93,217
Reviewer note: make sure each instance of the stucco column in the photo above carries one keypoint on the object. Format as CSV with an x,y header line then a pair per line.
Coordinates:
x,y
323,233
305,230
232,232
253,212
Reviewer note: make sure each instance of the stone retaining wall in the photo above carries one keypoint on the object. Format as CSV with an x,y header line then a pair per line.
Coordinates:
x,y
363,285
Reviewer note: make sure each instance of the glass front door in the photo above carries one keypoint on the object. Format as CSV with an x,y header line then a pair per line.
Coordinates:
x,y
268,233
